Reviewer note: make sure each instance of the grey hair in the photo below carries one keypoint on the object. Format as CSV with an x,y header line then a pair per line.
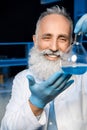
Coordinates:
x,y
54,10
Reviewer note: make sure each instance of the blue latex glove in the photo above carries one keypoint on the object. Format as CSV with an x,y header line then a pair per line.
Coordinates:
x,y
81,25
44,92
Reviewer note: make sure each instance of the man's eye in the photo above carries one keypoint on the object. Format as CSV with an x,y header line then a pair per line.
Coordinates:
x,y
46,38
62,39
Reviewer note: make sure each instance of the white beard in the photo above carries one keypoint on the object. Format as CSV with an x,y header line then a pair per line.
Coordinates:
x,y
40,66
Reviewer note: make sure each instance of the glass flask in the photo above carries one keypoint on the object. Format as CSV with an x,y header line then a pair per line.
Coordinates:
x,y
74,60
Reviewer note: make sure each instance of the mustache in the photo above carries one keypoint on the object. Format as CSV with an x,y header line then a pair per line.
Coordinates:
x,y
50,52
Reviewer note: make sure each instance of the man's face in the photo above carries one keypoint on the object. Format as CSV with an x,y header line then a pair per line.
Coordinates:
x,y
54,34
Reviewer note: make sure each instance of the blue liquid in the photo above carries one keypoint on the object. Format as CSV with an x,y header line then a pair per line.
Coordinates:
x,y
78,70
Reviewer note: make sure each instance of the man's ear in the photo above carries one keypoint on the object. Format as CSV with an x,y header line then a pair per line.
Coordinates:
x,y
34,39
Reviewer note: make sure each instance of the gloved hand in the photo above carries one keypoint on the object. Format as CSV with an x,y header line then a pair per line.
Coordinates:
x,y
81,25
44,92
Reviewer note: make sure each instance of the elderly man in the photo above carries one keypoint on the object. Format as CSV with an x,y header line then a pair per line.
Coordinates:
x,y
43,97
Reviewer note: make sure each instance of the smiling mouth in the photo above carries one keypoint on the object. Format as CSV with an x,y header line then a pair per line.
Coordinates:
x,y
52,57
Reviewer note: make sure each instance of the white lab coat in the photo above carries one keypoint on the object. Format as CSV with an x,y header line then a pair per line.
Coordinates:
x,y
70,107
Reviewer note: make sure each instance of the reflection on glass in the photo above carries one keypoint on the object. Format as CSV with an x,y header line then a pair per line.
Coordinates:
x,y
74,60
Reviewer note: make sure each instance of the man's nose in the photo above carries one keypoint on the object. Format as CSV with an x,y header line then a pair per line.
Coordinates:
x,y
54,46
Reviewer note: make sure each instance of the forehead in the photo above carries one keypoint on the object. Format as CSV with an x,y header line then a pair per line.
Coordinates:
x,y
54,21
54,17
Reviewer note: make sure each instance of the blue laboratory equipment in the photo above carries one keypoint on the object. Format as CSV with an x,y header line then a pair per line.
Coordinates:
x,y
74,60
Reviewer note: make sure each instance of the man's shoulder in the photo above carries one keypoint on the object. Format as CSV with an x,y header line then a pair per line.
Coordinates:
x,y
23,73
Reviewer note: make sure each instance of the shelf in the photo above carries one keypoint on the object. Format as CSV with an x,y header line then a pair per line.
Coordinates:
x,y
13,62
8,62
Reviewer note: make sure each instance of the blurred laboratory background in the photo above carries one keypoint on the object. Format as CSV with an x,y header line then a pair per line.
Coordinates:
x,y
17,24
